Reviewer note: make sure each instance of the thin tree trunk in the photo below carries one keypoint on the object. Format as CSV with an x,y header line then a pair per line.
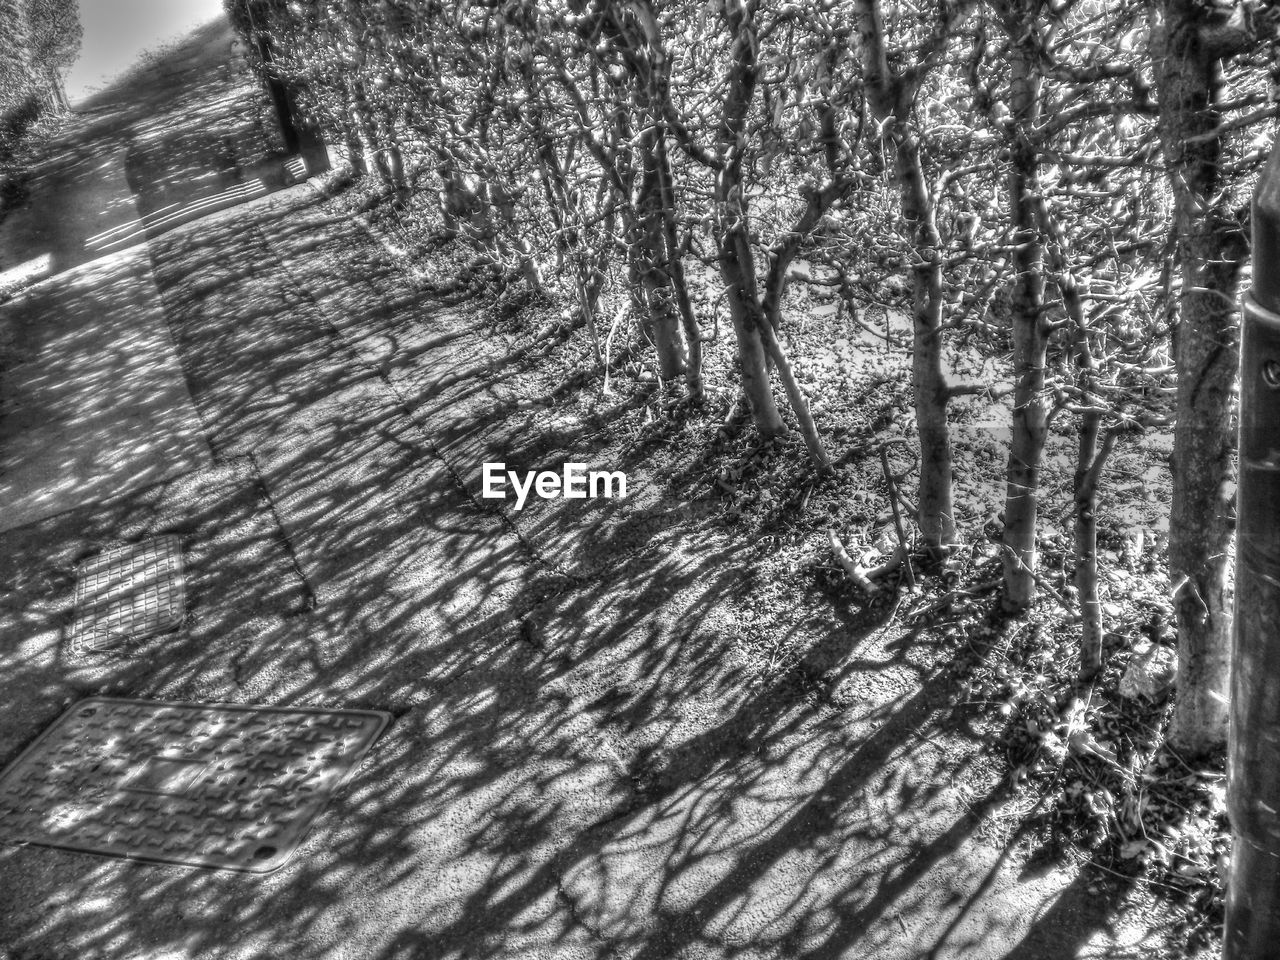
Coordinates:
x,y
936,517
355,148
737,261
808,430
392,154
780,259
500,203
737,269
1030,330
362,120
1090,459
663,322
890,95
1085,578
279,97
675,268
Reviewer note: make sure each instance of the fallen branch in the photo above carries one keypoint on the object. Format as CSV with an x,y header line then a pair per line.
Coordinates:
x,y
608,347
862,576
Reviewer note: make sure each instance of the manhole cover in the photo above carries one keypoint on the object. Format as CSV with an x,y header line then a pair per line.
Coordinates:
x,y
130,591
218,786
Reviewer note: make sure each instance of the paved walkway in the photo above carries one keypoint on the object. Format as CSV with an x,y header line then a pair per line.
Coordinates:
x,y
576,768
94,402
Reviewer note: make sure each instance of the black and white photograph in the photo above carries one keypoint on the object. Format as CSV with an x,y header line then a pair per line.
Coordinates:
x,y
639,480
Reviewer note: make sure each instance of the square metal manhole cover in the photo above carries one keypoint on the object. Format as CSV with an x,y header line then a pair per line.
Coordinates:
x,y
133,591
225,786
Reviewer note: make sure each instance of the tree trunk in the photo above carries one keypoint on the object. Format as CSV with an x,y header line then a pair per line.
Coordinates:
x,y
737,261
1090,460
362,121
889,96
346,121
500,204
775,286
1210,248
737,269
935,515
453,199
800,406
57,91
355,149
663,321
1085,578
279,98
392,157
675,269
1030,332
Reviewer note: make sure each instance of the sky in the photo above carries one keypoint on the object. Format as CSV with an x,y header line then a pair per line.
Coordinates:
x,y
116,31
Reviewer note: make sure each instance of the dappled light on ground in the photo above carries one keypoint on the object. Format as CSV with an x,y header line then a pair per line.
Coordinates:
x,y
94,401
577,767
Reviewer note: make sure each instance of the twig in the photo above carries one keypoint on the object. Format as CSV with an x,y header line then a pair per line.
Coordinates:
x,y
1048,588
897,514
895,491
951,596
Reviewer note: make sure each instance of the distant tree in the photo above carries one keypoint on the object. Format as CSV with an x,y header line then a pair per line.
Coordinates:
x,y
55,36
39,40
16,53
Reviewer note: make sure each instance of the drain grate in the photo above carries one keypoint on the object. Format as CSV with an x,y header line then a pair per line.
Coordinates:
x,y
132,591
225,786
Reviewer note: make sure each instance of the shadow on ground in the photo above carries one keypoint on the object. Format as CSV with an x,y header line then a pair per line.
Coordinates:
x,y
579,766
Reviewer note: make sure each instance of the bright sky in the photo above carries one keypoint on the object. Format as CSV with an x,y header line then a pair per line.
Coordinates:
x,y
116,31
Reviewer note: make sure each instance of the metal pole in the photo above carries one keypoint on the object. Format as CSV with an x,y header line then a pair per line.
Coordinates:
x,y
1253,791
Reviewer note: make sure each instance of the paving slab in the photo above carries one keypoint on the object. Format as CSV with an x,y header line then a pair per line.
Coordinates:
x,y
95,404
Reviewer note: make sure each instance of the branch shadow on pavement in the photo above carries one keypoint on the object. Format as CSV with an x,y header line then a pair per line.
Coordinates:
x,y
578,765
